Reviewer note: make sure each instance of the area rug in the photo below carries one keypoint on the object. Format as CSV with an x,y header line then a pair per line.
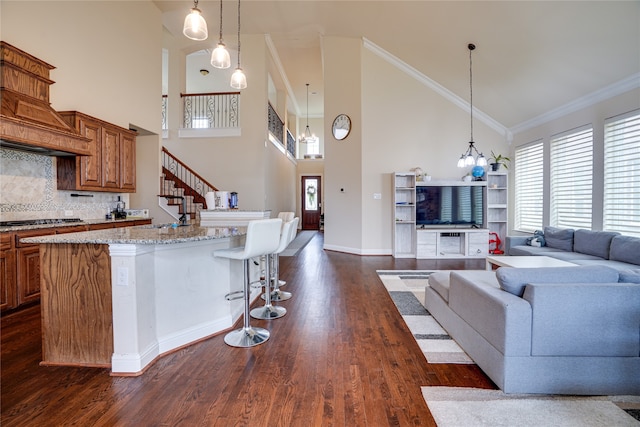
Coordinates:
x,y
470,407
297,244
406,289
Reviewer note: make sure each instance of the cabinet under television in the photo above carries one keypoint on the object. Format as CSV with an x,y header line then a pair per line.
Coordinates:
x,y
451,219
439,218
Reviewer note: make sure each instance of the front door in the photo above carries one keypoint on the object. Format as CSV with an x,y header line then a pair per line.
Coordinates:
x,y
311,202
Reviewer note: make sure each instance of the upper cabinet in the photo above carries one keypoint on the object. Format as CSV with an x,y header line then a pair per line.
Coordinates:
x,y
112,163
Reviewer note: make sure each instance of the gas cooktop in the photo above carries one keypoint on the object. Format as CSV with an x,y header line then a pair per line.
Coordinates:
x,y
16,223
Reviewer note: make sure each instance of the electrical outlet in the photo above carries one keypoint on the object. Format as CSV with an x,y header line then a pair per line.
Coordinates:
x,y
377,196
122,276
68,213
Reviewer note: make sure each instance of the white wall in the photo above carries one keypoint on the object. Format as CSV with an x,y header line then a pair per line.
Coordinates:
x,y
108,64
249,164
594,115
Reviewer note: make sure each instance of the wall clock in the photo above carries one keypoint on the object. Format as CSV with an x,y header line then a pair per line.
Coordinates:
x,y
341,127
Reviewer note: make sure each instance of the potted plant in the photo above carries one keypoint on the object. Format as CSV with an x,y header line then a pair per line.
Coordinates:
x,y
498,159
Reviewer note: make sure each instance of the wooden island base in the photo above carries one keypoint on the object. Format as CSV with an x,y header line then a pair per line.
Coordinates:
x,y
123,300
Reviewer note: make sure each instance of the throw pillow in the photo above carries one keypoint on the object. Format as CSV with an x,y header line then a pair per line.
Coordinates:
x,y
559,238
537,239
514,280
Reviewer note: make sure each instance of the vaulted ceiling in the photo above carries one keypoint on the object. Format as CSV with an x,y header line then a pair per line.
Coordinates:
x,y
532,56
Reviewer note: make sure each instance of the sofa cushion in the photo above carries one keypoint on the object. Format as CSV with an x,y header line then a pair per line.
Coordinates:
x,y
574,256
584,319
596,243
630,276
531,250
625,249
439,282
559,238
515,280
618,265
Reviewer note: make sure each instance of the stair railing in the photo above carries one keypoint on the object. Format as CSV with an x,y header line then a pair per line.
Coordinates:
x,y
185,179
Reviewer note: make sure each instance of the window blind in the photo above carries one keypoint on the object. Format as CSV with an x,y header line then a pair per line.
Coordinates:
x,y
528,164
622,174
571,175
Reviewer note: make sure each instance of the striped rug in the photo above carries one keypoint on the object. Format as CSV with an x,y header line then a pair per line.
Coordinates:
x,y
406,288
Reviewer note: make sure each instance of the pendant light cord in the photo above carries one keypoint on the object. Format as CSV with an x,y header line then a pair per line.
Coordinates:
x,y
220,21
238,33
471,48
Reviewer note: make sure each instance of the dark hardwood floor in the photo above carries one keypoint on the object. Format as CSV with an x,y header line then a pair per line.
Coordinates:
x,y
342,356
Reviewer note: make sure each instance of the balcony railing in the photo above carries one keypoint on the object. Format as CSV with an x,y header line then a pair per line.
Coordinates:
x,y
276,125
211,110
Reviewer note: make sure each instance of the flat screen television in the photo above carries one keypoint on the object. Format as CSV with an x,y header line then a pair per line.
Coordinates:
x,y
450,206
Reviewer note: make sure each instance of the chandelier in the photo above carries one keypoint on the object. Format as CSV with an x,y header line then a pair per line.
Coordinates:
x,y
467,158
195,27
307,137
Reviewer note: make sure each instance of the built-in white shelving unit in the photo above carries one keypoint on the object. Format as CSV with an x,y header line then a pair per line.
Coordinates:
x,y
497,213
404,214
435,241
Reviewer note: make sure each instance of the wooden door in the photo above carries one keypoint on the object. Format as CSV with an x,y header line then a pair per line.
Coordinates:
x,y
90,167
311,202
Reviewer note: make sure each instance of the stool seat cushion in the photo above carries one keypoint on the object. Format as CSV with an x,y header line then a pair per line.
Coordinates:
x,y
263,238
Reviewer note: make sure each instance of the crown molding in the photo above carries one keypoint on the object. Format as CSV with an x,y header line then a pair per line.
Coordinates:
x,y
625,85
278,64
438,88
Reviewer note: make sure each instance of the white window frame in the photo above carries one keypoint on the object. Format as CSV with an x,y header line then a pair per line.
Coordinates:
x,y
571,178
529,189
621,204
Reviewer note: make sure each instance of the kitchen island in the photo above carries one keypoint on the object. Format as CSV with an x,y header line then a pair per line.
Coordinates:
x,y
121,298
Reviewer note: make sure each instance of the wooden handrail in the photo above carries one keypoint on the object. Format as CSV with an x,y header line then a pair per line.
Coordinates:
x,y
194,173
182,95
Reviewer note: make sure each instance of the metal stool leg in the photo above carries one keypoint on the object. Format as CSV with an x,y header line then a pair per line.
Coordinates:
x,y
248,336
277,294
268,311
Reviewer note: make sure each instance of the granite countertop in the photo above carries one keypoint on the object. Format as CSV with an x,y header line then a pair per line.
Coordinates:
x,y
163,234
15,228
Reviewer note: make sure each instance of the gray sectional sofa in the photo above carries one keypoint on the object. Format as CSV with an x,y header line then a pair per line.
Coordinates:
x,y
582,247
563,330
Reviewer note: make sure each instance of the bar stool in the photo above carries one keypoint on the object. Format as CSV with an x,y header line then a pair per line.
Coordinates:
x,y
277,294
263,237
270,311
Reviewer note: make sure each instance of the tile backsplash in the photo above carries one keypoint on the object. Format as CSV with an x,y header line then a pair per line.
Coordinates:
x,y
28,191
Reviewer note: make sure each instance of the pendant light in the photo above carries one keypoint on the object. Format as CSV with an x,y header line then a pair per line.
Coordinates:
x,y
195,27
220,56
307,136
467,159
238,79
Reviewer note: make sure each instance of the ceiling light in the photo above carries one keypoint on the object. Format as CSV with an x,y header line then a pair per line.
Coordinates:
x,y
467,159
220,56
204,72
307,137
238,79
195,27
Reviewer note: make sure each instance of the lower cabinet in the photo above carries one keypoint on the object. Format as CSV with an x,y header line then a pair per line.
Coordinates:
x,y
452,243
20,262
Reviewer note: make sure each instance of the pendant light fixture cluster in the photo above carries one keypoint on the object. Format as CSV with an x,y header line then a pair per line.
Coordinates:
x,y
195,28
467,159
307,136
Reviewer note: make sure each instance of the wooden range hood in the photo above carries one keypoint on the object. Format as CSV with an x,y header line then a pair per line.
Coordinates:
x,y
27,121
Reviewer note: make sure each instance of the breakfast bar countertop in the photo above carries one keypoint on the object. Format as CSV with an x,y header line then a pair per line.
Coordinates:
x,y
142,235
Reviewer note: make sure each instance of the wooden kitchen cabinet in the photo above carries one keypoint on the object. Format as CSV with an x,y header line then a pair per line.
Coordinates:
x,y
7,273
20,262
28,266
112,165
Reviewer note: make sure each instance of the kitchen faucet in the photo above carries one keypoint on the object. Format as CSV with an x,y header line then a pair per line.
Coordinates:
x,y
183,218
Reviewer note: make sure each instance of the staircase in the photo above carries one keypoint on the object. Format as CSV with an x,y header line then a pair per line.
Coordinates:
x,y
180,180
